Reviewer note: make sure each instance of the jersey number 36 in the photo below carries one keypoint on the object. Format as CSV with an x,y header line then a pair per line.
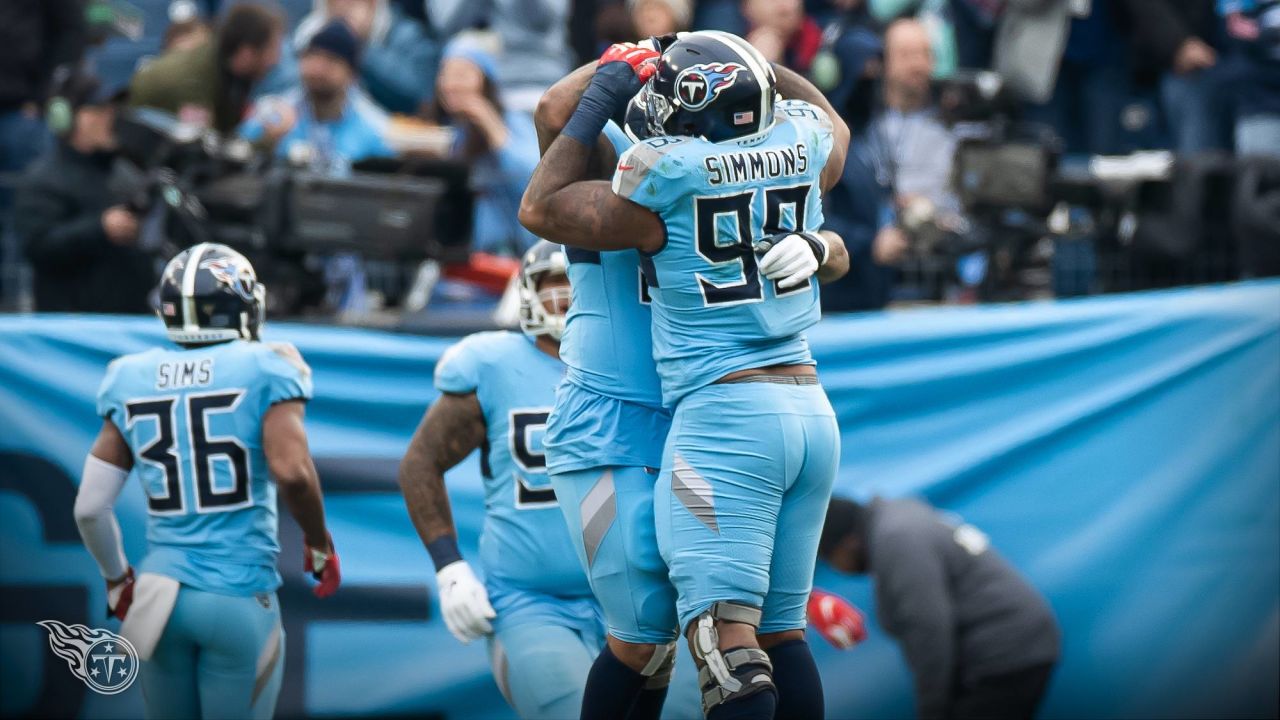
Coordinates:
x,y
204,449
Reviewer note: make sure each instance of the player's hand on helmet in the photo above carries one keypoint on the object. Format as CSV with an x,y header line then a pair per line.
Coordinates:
x,y
120,595
464,602
790,258
642,58
836,619
324,566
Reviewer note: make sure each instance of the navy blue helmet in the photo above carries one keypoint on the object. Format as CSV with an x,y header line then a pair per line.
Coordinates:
x,y
712,85
209,293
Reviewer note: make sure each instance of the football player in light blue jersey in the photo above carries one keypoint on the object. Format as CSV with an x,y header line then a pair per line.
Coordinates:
x,y
724,191
206,426
497,390
604,446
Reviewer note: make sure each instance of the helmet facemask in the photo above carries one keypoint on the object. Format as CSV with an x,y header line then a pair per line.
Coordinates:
x,y
543,310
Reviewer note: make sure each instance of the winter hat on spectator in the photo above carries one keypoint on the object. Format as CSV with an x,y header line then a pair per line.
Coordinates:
x,y
337,39
478,48
681,10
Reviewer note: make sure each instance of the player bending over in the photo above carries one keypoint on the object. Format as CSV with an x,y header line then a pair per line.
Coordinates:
x,y
753,448
605,436
206,426
497,389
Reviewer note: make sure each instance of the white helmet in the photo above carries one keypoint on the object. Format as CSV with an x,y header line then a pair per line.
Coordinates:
x,y
543,259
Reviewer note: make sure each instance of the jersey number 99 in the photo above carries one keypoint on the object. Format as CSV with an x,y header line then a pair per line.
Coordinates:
x,y
707,210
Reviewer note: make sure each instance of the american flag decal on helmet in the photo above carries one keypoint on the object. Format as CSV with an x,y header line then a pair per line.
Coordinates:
x,y
742,118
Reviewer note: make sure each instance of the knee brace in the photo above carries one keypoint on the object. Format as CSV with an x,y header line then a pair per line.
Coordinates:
x,y
657,672
733,673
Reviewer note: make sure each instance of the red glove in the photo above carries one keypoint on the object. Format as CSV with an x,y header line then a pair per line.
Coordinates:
x,y
120,596
642,59
836,619
323,566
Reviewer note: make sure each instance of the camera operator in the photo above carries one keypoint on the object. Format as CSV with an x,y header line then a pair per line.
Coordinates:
x,y
81,242
903,160
210,84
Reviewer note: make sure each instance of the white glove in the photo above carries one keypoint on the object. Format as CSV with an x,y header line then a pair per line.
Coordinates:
x,y
793,259
464,602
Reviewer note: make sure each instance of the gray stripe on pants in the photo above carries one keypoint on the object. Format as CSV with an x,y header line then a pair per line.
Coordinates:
x,y
694,493
500,670
267,660
598,510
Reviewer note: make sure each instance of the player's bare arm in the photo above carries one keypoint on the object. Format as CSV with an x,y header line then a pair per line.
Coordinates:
x,y
554,110
837,264
451,428
284,442
561,208
110,447
793,86
585,214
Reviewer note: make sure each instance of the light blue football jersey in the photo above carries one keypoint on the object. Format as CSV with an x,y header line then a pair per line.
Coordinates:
x,y
193,419
525,543
609,412
712,312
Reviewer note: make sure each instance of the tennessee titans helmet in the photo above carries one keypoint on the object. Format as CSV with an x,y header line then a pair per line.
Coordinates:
x,y
542,260
713,85
209,293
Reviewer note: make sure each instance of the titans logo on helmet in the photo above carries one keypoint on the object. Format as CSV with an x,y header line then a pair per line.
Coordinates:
x,y
229,272
697,85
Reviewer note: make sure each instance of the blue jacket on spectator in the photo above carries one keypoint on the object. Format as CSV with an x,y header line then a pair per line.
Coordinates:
x,y
499,179
335,144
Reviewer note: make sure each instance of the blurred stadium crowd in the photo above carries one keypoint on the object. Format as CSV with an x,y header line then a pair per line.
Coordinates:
x,y
370,155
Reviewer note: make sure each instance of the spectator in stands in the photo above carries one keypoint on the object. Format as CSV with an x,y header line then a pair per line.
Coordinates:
x,y
652,18
980,640
900,161
911,138
500,145
328,122
398,63
1177,40
936,18
36,36
782,32
210,84
533,37
81,241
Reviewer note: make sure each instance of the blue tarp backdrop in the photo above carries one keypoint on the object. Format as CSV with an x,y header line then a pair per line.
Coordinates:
x,y
1123,452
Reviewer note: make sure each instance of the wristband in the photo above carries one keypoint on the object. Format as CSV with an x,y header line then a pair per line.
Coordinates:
x,y
444,551
612,86
818,245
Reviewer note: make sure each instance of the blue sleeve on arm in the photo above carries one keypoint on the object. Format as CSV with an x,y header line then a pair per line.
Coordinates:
x,y
106,403
287,376
458,369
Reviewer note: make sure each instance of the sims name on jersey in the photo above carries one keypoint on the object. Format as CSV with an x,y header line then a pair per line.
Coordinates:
x,y
753,165
184,374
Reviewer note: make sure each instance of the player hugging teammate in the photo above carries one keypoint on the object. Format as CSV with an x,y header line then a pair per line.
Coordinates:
x,y
715,197
657,451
